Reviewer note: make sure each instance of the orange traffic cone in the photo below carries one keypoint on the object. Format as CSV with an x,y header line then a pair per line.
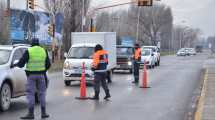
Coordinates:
x,y
83,85
145,77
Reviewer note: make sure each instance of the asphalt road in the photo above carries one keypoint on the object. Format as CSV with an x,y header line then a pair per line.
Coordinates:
x,y
172,86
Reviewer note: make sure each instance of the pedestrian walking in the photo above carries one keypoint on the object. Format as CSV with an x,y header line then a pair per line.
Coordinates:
x,y
99,66
37,63
137,58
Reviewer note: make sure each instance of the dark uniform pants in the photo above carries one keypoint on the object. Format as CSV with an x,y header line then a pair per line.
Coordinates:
x,y
136,71
36,82
100,79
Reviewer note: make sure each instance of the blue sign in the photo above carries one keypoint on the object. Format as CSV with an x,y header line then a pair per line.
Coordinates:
x,y
17,35
24,23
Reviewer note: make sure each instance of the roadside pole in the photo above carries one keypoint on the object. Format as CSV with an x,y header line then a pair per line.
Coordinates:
x,y
138,23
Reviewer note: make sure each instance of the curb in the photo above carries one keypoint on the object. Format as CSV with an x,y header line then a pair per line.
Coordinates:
x,y
201,101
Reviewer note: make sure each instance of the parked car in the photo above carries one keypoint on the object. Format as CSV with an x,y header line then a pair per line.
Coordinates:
x,y
124,57
182,52
191,51
148,56
12,80
199,49
156,52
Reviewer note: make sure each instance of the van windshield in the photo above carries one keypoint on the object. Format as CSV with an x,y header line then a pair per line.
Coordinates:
x,y
4,56
81,52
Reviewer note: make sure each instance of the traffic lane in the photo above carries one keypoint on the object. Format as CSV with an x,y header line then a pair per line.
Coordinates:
x,y
163,101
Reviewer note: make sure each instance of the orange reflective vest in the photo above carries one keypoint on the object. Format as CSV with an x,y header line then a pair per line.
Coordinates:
x,y
100,60
137,54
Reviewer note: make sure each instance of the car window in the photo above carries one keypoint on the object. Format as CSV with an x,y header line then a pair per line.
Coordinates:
x,y
23,50
4,56
17,54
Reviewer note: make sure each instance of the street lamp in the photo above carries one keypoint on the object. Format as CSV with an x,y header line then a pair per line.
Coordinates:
x,y
182,35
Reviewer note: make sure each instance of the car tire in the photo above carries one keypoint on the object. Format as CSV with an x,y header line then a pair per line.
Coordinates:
x,y
158,64
5,97
153,66
67,83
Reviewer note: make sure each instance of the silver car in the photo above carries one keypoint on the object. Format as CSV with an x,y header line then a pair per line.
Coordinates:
x,y
12,80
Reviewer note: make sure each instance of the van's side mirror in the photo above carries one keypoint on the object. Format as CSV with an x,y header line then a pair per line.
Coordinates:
x,y
65,55
152,54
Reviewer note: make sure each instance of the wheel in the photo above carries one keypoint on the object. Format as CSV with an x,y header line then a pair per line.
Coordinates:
x,y
67,83
158,63
5,97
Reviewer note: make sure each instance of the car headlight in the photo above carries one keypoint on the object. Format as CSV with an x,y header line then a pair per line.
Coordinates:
x,y
67,65
129,63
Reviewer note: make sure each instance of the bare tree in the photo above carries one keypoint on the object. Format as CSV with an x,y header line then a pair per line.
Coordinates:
x,y
185,36
152,20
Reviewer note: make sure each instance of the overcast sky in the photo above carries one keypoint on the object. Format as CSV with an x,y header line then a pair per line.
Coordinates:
x,y
196,13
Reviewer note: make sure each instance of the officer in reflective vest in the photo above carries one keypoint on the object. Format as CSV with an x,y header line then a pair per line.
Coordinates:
x,y
137,59
99,66
37,63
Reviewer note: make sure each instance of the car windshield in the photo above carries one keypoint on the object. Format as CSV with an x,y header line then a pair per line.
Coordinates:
x,y
145,52
152,48
124,51
4,56
81,52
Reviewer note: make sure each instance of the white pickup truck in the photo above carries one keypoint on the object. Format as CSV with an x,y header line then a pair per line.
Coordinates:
x,y
82,50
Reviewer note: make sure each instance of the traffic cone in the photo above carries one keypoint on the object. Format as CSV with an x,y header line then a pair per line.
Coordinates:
x,y
145,77
83,89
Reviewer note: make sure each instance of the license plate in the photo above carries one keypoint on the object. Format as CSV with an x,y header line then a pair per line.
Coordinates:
x,y
77,71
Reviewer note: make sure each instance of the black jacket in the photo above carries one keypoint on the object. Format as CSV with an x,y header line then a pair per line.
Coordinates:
x,y
25,59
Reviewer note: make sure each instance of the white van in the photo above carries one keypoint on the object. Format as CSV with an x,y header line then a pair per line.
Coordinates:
x,y
82,50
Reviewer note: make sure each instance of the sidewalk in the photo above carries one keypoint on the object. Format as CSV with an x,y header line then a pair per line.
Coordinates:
x,y
206,106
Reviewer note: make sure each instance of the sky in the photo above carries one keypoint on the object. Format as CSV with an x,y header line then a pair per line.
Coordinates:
x,y
195,13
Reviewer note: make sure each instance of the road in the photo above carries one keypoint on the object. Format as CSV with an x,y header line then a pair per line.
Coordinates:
x,y
169,98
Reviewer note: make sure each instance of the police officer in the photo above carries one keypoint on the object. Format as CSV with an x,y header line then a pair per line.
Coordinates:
x,y
37,63
99,66
137,58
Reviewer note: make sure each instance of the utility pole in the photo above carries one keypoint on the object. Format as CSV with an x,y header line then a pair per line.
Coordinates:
x,y
138,23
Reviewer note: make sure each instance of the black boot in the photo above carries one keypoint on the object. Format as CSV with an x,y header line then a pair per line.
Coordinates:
x,y
43,113
107,95
96,96
30,114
